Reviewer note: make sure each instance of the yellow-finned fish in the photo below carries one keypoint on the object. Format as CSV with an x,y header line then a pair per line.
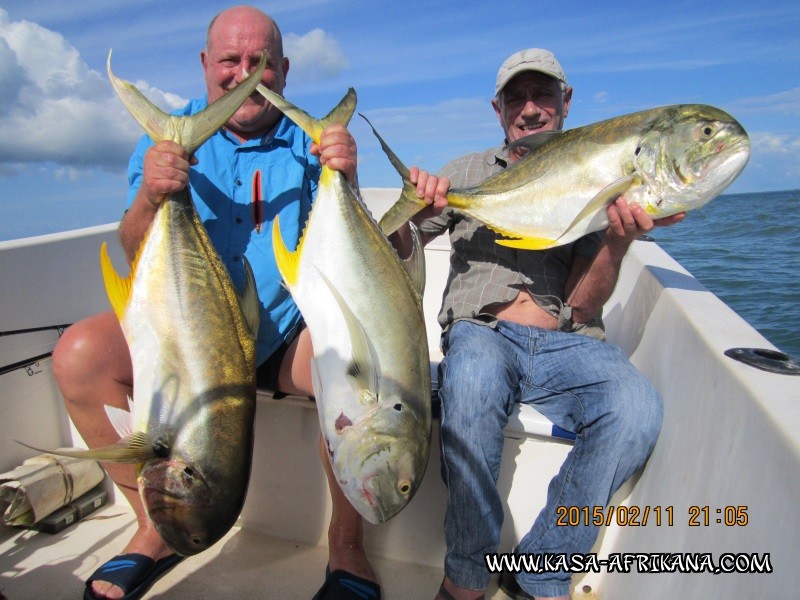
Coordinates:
x,y
192,343
364,313
667,160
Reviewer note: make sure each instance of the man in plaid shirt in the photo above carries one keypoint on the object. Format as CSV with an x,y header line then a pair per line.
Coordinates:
x,y
526,326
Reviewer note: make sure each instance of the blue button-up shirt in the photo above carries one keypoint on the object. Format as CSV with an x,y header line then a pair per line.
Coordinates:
x,y
222,188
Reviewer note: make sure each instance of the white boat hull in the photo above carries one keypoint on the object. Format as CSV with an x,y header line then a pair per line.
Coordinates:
x,y
731,438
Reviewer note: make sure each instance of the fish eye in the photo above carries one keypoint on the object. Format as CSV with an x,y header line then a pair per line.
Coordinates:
x,y
404,487
188,471
707,131
161,450
398,407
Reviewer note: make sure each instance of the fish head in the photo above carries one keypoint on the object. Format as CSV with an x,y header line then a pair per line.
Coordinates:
x,y
188,513
381,459
691,154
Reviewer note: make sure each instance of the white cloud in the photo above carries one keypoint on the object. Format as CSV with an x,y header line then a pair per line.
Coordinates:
x,y
166,101
315,56
775,143
601,97
55,108
786,103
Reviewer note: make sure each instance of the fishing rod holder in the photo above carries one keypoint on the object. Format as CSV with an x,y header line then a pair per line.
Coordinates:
x,y
766,360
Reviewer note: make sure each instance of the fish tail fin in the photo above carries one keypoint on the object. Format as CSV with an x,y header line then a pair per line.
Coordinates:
x,y
400,212
407,204
288,262
135,449
188,131
342,112
118,288
340,115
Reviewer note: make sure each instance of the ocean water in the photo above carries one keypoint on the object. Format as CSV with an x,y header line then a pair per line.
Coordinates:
x,y
745,248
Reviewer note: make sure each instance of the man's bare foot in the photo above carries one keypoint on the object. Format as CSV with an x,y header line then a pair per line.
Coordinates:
x,y
350,557
145,541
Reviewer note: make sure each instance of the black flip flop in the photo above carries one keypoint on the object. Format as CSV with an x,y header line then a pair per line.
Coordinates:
x,y
134,573
508,583
341,585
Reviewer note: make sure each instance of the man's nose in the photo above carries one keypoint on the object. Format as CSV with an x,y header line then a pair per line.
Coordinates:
x,y
240,72
531,107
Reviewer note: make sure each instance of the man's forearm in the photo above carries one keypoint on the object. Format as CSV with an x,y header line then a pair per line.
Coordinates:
x,y
134,225
590,288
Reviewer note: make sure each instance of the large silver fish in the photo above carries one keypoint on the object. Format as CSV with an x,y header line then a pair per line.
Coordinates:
x,y
371,365
667,160
192,343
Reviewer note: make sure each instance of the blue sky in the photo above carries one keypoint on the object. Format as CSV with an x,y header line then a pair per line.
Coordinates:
x,y
424,73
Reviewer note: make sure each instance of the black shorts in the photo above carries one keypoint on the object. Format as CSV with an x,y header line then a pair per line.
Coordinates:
x,y
267,372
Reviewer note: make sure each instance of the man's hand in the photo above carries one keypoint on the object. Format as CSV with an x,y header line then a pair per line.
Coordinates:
x,y
165,171
432,190
337,150
627,223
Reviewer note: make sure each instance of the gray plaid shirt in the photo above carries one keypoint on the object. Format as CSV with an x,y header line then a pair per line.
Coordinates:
x,y
483,273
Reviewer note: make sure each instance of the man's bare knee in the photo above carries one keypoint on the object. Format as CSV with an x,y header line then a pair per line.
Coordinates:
x,y
89,352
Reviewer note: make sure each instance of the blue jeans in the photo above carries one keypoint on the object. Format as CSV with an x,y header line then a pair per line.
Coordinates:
x,y
582,385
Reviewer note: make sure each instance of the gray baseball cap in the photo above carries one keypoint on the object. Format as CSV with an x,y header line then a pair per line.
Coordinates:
x,y
532,59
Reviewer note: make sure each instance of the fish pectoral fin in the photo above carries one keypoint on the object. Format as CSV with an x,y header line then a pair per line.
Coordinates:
x,y
136,449
527,243
288,262
415,263
121,419
248,300
363,366
189,131
360,376
603,198
118,288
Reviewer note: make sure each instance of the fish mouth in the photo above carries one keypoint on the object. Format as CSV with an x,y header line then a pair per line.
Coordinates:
x,y
377,513
159,498
173,481
367,494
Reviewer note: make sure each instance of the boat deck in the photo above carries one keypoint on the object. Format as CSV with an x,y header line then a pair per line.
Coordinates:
x,y
243,565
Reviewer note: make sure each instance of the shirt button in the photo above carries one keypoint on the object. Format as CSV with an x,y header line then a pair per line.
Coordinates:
x,y
238,220
239,182
235,259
